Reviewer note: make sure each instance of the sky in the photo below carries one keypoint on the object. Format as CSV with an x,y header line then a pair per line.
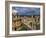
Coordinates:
x,y
26,10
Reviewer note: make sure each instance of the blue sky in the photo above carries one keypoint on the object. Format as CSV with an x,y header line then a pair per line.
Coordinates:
x,y
27,10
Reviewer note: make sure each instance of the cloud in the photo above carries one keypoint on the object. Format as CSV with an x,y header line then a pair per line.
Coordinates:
x,y
27,10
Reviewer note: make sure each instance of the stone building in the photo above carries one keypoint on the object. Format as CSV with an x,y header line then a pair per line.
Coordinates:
x,y
30,21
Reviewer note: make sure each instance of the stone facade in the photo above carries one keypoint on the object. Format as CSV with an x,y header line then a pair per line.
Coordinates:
x,y
32,22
